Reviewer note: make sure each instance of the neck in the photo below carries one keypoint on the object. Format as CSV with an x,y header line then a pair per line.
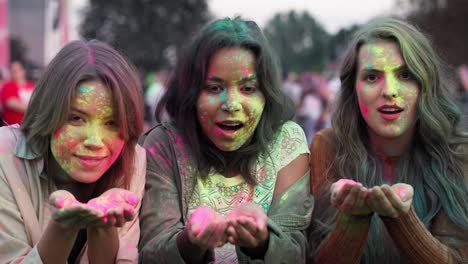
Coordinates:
x,y
390,147
82,191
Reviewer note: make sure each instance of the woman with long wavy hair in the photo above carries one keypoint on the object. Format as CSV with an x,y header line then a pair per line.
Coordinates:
x,y
390,177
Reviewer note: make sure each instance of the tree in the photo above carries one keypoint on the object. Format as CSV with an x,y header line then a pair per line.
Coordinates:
x,y
445,22
148,32
299,40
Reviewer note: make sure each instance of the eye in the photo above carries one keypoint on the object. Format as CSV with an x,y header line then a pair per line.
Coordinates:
x,y
75,119
112,123
248,89
405,75
214,88
371,77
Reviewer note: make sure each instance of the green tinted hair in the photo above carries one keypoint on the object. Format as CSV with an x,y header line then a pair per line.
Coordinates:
x,y
53,95
434,165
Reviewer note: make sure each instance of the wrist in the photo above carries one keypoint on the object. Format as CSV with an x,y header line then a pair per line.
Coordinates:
x,y
65,230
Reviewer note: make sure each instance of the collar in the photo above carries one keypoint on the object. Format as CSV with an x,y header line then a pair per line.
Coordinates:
x,y
27,152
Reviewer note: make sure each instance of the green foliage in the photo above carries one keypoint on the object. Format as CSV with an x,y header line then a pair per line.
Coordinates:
x,y
444,21
302,43
148,32
299,40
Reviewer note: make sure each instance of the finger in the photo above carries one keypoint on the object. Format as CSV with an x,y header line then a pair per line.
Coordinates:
x,y
129,213
361,199
219,234
249,224
75,211
130,198
205,235
393,198
349,202
245,237
62,198
382,204
232,235
341,194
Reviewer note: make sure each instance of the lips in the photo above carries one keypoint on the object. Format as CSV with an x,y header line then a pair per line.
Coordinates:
x,y
390,112
90,161
230,125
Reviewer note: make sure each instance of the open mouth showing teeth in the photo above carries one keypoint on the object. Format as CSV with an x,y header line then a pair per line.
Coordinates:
x,y
390,110
230,127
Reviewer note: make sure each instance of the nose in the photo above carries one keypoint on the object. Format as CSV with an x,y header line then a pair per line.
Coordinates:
x,y
232,101
390,89
94,139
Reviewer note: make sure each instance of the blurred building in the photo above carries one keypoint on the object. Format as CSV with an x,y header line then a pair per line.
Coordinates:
x,y
42,26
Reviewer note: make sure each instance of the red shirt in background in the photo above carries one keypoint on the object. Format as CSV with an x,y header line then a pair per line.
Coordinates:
x,y
22,92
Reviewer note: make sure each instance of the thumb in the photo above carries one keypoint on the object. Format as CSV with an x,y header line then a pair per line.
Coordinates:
x,y
61,199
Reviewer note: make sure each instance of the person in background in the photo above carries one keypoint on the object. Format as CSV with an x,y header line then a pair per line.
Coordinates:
x,y
390,176
15,94
227,178
72,175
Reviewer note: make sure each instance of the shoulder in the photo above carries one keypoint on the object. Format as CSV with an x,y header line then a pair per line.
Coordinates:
x,y
161,133
290,129
324,139
9,136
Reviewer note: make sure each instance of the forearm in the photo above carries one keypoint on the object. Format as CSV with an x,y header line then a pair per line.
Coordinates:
x,y
103,244
62,240
16,105
415,242
345,242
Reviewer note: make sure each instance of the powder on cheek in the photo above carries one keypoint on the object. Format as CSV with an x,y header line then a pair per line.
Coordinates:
x,y
364,110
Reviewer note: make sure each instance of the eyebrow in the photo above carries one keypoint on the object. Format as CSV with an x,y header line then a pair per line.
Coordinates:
x,y
252,77
73,108
371,68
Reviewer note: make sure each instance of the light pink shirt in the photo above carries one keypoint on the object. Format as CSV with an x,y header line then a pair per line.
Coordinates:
x,y
24,208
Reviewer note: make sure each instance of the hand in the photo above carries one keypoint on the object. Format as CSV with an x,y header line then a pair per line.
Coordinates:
x,y
112,208
71,213
349,197
117,206
391,201
206,228
247,226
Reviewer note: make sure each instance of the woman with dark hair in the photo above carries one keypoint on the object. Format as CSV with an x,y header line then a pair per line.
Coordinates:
x,y
390,177
227,177
72,174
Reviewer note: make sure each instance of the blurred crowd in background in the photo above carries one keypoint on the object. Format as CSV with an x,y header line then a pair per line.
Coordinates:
x,y
150,33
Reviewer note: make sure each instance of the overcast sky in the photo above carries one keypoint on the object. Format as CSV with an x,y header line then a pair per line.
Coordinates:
x,y
332,14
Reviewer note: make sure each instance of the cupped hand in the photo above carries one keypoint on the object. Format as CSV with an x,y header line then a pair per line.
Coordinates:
x,y
391,201
112,208
247,226
71,213
207,228
117,205
349,197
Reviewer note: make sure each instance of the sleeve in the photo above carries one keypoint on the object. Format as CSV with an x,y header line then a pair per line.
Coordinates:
x,y
8,91
160,214
344,243
288,218
15,246
291,143
448,243
290,213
